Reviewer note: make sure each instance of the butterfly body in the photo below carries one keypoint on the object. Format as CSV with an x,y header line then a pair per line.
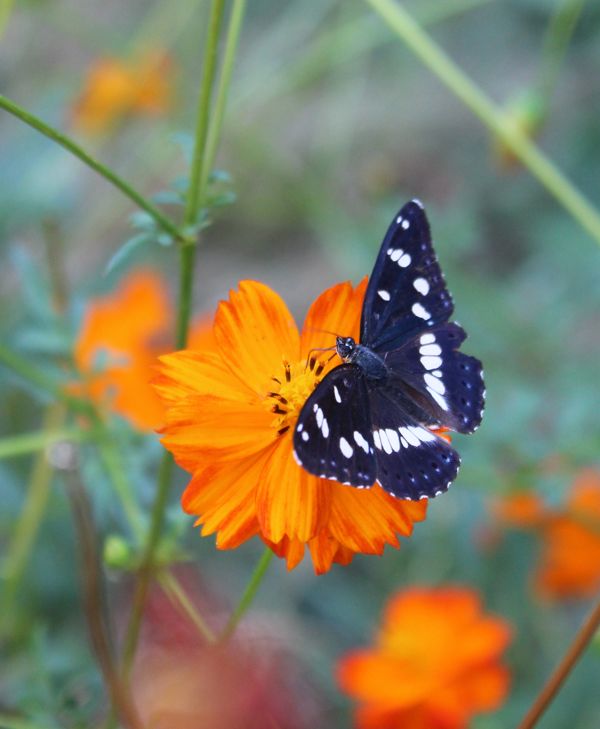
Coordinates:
x,y
376,417
371,364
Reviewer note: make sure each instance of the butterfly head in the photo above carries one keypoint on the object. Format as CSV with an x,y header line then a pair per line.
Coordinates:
x,y
346,348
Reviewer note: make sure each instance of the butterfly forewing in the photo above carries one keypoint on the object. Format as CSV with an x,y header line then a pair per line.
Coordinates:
x,y
412,462
406,291
447,384
332,438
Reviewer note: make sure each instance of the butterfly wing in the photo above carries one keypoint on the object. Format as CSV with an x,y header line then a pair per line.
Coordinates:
x,y
406,291
332,437
412,462
444,383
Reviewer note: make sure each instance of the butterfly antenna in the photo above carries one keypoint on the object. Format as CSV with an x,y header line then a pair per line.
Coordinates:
x,y
323,331
311,361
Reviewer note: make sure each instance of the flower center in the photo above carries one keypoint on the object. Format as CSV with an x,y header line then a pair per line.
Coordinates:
x,y
291,388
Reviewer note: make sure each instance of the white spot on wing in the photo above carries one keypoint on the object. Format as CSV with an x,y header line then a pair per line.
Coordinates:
x,y
433,349
305,436
434,383
346,448
393,439
385,295
385,443
409,436
399,219
361,442
417,202
300,427
441,401
404,260
428,338
405,224
377,439
319,417
420,311
325,428
421,285
431,363
336,394
395,253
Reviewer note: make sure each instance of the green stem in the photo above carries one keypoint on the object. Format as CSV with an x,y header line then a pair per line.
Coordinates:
x,y
195,191
94,602
248,596
178,595
231,43
26,443
67,143
6,7
556,42
28,522
422,45
187,255
147,563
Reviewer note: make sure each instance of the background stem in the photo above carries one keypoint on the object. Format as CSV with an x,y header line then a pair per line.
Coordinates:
x,y
425,48
67,143
560,675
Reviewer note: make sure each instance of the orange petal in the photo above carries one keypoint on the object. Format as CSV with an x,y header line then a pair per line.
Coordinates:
x,y
198,373
366,520
201,429
325,550
291,549
337,310
255,332
222,498
289,501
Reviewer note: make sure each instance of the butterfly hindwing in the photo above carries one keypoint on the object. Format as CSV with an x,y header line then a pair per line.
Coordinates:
x,y
447,384
332,437
406,291
412,462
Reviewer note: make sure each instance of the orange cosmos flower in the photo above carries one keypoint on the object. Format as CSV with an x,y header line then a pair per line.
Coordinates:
x,y
229,421
570,562
435,664
118,344
115,87
121,337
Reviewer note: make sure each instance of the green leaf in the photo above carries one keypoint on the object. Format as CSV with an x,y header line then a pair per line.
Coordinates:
x,y
142,220
168,197
126,251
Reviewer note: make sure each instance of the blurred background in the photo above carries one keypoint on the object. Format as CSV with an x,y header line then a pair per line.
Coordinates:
x,y
332,124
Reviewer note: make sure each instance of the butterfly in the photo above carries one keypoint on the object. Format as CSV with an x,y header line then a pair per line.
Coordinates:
x,y
373,419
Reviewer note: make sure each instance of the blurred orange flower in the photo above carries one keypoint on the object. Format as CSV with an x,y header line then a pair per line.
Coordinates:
x,y
570,562
435,664
229,418
115,87
519,509
121,337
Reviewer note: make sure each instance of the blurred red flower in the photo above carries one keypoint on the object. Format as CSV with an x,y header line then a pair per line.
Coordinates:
x,y
435,664
230,415
251,682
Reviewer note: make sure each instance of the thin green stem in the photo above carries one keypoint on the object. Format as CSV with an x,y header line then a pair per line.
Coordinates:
x,y
556,42
27,443
231,44
28,521
67,143
147,563
423,46
6,7
195,191
564,668
249,593
178,595
94,602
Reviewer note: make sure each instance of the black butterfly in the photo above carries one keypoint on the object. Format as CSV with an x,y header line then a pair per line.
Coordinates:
x,y
370,418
